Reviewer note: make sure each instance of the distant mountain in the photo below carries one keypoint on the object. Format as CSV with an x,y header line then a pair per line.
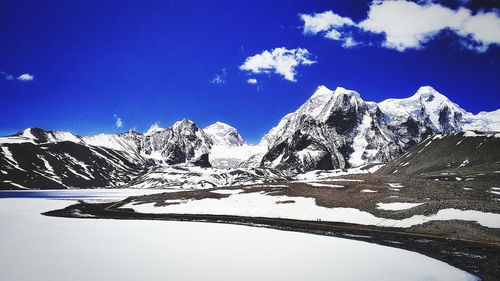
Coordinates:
x,y
175,156
224,135
331,130
66,164
229,150
338,129
37,135
183,142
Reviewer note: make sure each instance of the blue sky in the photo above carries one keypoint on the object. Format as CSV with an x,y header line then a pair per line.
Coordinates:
x,y
87,63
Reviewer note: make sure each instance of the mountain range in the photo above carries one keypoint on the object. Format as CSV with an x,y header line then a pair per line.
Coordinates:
x,y
333,129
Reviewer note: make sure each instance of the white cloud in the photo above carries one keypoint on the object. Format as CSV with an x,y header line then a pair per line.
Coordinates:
x,y
331,25
118,121
409,25
320,22
349,42
280,61
333,34
252,81
219,78
25,77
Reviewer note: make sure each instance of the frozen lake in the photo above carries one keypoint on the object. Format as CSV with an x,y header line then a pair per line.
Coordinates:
x,y
36,247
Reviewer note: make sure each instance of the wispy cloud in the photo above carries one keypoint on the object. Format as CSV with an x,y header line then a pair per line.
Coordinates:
x,y
320,22
349,42
252,81
408,25
281,61
219,78
154,128
26,77
118,121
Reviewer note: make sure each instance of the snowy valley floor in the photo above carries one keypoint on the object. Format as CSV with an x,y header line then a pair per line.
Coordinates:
x,y
37,247
441,219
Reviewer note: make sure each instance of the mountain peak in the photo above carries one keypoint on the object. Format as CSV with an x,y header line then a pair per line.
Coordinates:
x,y
426,88
325,93
221,125
183,123
340,91
40,135
428,94
31,133
426,104
322,90
224,134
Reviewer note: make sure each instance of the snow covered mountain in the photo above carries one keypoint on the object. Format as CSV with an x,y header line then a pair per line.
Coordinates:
x,y
163,157
37,135
35,158
337,129
229,150
183,142
224,135
438,113
432,109
331,130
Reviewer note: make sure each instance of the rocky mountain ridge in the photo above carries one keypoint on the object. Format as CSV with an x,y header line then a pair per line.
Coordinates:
x,y
338,129
331,130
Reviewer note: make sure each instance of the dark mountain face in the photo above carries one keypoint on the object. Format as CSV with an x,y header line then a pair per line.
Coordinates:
x,y
65,165
287,154
449,156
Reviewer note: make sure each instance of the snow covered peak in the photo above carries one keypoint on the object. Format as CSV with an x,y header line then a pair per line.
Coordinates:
x,y
346,97
27,133
155,128
41,136
428,95
344,91
183,124
426,91
483,121
224,134
325,93
322,90
319,108
325,101
221,125
442,114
